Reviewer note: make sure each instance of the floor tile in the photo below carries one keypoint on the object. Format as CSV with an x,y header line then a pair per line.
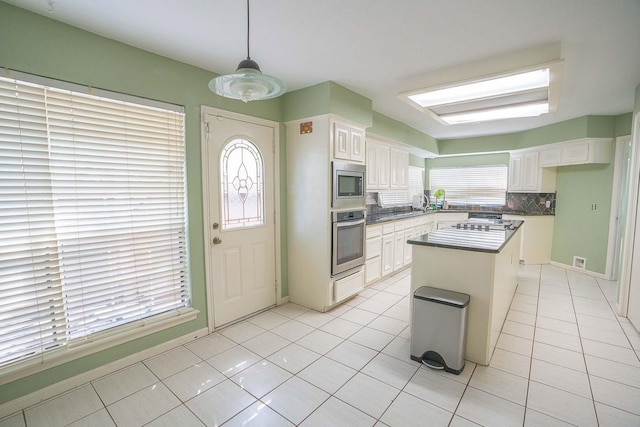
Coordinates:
x,y
511,362
527,299
258,415
15,420
327,374
610,352
261,378
242,332
558,339
172,362
614,371
521,317
319,341
436,389
518,329
64,409
489,410
566,379
463,377
359,316
390,370
500,383
557,325
193,381
290,310
524,307
99,418
143,406
367,394
234,360
407,411
292,330
515,344
336,413
220,403
613,338
295,399
398,312
180,416
388,325
368,337
561,404
314,318
400,348
293,358
124,383
615,394
458,421
377,307
352,355
265,344
559,356
538,419
341,328
268,320
210,345
612,417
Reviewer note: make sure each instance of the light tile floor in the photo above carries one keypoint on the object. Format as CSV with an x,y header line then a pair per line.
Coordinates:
x,y
563,358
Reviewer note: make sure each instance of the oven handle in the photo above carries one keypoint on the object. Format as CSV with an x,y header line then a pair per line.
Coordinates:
x,y
349,223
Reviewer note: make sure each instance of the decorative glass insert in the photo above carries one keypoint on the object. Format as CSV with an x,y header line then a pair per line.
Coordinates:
x,y
242,182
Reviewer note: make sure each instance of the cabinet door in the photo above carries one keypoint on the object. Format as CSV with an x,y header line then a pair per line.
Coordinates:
x,y
398,250
357,145
373,247
372,166
372,270
341,143
387,254
399,169
383,167
408,235
530,172
575,154
515,172
550,157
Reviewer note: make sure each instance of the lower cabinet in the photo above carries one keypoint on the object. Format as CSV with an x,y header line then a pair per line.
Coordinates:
x,y
537,237
387,254
348,286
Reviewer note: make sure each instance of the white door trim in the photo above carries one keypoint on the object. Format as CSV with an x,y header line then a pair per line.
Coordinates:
x,y
205,110
613,221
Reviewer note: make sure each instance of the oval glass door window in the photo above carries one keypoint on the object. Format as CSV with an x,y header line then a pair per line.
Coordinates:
x,y
242,185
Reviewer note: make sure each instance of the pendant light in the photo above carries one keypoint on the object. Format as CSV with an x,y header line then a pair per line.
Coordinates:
x,y
247,83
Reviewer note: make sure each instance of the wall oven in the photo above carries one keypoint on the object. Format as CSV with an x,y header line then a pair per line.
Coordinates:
x,y
348,240
348,185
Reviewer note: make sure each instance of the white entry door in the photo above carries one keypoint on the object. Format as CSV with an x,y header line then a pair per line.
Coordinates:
x,y
240,171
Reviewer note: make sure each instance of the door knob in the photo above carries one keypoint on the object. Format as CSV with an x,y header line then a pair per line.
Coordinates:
x,y
217,240
215,225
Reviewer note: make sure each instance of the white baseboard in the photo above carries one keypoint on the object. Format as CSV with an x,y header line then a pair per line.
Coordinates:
x,y
48,392
579,270
284,300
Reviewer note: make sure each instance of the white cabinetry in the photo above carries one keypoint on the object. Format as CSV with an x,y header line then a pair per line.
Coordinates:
x,y
537,236
398,245
577,152
387,254
378,166
526,175
399,169
373,251
348,142
348,286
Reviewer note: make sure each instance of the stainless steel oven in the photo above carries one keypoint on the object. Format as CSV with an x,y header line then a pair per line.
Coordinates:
x,y
348,240
348,185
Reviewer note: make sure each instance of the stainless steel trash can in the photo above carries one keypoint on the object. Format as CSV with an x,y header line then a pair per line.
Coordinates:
x,y
439,328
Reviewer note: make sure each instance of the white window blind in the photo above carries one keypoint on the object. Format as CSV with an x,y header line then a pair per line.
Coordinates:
x,y
416,180
92,219
478,185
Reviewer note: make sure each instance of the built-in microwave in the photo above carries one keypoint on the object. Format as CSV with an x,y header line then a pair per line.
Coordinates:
x,y
348,185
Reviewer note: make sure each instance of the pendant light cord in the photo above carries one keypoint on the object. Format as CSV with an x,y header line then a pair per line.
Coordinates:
x,y
248,56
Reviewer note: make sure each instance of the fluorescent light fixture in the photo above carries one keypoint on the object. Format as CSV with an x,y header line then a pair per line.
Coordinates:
x,y
512,112
484,89
527,92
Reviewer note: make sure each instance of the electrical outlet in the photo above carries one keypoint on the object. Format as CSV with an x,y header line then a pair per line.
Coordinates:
x,y
593,206
547,204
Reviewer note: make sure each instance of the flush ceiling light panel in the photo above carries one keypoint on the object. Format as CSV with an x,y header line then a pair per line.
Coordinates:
x,y
521,93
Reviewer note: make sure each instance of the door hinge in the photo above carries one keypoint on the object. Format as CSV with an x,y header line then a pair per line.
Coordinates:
x,y
208,131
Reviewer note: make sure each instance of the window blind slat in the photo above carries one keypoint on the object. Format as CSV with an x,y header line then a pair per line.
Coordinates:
x,y
93,218
479,185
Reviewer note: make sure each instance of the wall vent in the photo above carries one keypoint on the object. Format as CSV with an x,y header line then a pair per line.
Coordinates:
x,y
579,262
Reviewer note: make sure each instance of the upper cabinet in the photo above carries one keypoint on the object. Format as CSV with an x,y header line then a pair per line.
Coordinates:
x,y
387,166
526,175
348,142
378,166
578,152
399,169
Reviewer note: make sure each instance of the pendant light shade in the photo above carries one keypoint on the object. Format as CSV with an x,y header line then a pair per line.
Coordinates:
x,y
247,83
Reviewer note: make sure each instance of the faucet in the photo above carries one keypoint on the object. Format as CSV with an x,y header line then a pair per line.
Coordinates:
x,y
425,202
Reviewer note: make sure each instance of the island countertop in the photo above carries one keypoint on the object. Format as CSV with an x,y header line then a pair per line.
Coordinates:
x,y
478,239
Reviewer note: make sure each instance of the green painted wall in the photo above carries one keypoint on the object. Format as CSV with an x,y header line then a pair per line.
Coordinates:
x,y
623,124
578,230
38,45
465,161
398,131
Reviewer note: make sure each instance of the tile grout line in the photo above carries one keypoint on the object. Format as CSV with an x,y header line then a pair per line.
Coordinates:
x,y
533,343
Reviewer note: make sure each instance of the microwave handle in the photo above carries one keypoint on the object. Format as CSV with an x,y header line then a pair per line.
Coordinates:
x,y
349,223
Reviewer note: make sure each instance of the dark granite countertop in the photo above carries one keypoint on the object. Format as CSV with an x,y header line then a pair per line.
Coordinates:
x,y
491,241
393,216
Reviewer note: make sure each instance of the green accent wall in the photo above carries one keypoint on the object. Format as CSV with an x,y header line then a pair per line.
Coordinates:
x,y
397,131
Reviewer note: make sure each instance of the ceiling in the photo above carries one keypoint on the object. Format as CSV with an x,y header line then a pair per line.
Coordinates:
x,y
380,48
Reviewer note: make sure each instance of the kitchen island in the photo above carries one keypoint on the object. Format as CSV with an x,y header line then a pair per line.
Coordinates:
x,y
482,262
